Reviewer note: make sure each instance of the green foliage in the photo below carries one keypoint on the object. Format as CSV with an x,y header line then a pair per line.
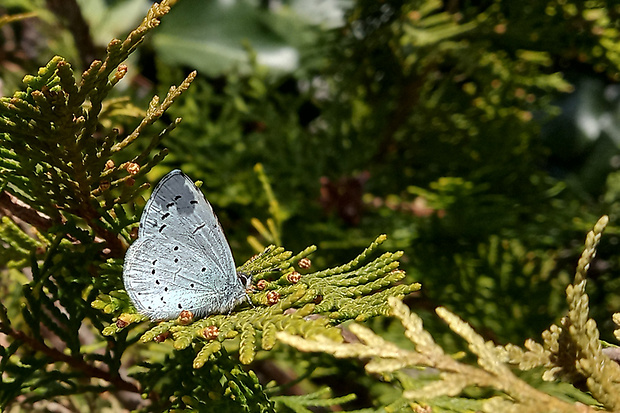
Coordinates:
x,y
418,119
57,156
60,175
572,351
298,403
289,303
221,385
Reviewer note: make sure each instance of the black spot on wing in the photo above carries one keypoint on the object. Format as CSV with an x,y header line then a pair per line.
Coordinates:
x,y
162,227
199,227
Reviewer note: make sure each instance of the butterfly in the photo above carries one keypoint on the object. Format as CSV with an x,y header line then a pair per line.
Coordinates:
x,y
181,259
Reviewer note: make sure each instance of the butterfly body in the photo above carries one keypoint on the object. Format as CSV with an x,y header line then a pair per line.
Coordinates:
x,y
181,259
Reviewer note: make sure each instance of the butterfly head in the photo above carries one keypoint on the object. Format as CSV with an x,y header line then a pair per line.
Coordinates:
x,y
245,279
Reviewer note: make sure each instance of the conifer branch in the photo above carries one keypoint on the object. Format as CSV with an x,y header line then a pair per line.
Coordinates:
x,y
76,363
309,304
571,351
11,206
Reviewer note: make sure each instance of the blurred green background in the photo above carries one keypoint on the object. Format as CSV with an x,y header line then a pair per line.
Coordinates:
x,y
481,136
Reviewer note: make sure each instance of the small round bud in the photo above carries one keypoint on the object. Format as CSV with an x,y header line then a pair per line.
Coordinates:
x,y
109,164
160,338
304,263
272,297
211,332
133,234
133,168
121,71
293,277
185,317
261,284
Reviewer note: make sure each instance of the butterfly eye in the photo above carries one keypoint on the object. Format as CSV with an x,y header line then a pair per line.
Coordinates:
x,y
246,279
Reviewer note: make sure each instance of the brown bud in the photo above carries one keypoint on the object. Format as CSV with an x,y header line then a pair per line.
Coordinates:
x,y
132,167
261,284
160,338
272,297
293,277
304,263
134,233
121,71
121,323
185,317
211,332
109,164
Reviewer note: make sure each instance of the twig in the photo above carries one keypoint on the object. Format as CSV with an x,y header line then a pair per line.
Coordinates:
x,y
76,363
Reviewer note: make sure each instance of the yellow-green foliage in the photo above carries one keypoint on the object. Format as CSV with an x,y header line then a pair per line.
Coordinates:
x,y
571,351
434,93
69,174
56,153
312,306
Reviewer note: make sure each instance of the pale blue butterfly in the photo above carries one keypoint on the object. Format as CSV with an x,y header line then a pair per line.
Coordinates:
x,y
181,259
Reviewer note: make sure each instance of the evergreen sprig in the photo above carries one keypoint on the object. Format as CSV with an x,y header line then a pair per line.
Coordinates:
x,y
55,153
571,351
64,201
309,304
300,404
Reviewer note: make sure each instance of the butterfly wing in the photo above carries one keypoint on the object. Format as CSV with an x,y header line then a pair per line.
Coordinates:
x,y
181,260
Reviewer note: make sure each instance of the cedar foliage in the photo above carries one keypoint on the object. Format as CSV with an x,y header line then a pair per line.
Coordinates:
x,y
422,123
